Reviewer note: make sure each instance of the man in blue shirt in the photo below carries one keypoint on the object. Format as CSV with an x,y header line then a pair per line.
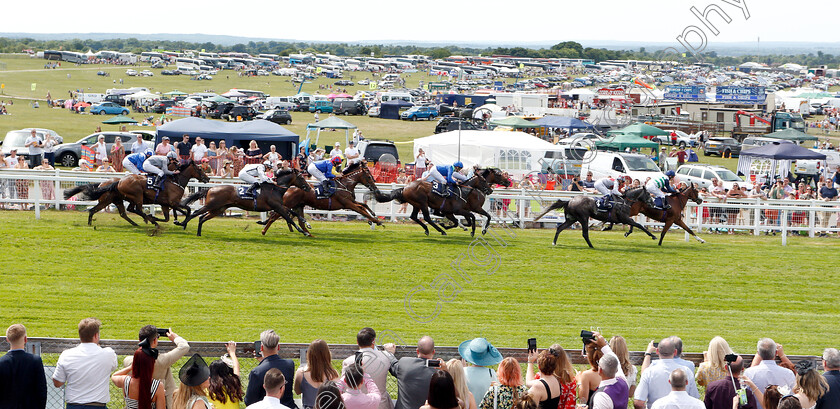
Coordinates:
x,y
829,194
268,350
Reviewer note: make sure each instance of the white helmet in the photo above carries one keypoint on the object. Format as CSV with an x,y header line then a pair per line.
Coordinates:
x,y
267,164
172,155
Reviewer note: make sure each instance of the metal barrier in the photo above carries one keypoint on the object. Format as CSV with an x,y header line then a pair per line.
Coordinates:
x,y
51,348
30,189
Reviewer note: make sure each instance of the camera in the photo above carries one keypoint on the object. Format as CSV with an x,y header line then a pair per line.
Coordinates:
x,y
532,345
162,331
730,358
432,363
656,345
587,336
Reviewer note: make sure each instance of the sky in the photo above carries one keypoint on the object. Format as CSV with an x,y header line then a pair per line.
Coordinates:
x,y
486,21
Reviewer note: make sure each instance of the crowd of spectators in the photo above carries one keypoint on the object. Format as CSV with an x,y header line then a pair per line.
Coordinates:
x,y
483,378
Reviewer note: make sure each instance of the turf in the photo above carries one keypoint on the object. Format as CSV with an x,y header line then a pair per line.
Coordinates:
x,y
232,283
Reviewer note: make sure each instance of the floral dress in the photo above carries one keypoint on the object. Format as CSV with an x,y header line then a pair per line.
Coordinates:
x,y
505,397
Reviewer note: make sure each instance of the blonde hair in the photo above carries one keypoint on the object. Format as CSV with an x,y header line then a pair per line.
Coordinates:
x,y
456,369
812,384
183,395
718,348
619,347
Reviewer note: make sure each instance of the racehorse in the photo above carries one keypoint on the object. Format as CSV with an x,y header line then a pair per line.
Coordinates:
x,y
220,198
492,176
670,216
582,208
344,198
419,194
132,189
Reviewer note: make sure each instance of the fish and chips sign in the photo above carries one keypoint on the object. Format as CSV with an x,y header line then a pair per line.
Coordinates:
x,y
611,92
685,93
740,95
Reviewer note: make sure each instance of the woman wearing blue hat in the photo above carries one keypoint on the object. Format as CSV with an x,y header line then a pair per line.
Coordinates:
x,y
481,355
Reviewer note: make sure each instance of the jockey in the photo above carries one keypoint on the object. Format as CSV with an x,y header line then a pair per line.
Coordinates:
x,y
444,175
134,162
255,175
608,188
656,186
322,170
157,166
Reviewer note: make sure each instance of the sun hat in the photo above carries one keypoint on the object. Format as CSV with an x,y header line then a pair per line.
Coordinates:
x,y
479,351
194,372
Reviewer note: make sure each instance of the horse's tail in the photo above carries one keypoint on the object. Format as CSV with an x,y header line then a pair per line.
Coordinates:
x,y
560,204
91,191
396,194
195,196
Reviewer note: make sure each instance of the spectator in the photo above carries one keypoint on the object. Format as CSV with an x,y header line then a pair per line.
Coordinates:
x,y
253,154
419,164
195,378
810,386
22,381
227,170
317,371
49,148
268,350
789,402
351,153
36,148
831,363
764,371
140,145
713,367
614,389
100,149
556,387
442,393
481,355
164,361
526,401
413,373
654,382
140,390
351,386
272,156
184,147
827,193
374,364
677,342
589,379
329,397
105,166
86,369
164,147
198,151
223,154
678,398
618,345
510,391
225,391
720,392
274,384
455,367
588,183
117,154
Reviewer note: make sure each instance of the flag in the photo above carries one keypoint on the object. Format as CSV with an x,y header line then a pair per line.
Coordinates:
x,y
88,154
33,86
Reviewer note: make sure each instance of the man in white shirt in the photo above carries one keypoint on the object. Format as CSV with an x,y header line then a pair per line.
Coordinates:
x,y
654,382
198,151
351,154
274,383
36,148
678,398
764,371
86,369
139,145
336,151
374,362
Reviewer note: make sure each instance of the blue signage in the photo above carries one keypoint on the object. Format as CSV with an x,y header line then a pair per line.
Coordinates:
x,y
499,86
740,95
685,92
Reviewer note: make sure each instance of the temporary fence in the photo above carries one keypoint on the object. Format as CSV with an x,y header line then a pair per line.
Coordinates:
x,y
50,348
30,189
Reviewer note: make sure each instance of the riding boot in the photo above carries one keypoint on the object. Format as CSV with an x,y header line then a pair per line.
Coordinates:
x,y
325,187
252,191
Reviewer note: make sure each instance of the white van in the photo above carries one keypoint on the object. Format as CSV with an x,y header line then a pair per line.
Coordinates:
x,y
187,71
613,164
390,96
284,103
91,98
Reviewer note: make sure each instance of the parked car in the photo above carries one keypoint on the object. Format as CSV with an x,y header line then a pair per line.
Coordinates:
x,y
17,139
321,105
146,73
373,150
683,139
246,113
415,113
614,164
344,83
373,111
68,154
219,110
170,72
349,107
702,175
449,123
364,82
108,108
722,146
102,73
157,64
160,106
130,72
278,116
117,99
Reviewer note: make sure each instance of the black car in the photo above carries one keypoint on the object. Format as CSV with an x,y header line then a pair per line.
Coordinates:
x,y
241,111
219,111
117,99
349,107
102,73
344,83
170,72
725,147
279,117
447,124
160,106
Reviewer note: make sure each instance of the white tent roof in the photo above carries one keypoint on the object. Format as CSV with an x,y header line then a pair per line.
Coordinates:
x,y
516,152
142,95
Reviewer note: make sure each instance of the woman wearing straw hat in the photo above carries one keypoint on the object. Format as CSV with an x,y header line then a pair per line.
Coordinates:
x,y
195,378
481,355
